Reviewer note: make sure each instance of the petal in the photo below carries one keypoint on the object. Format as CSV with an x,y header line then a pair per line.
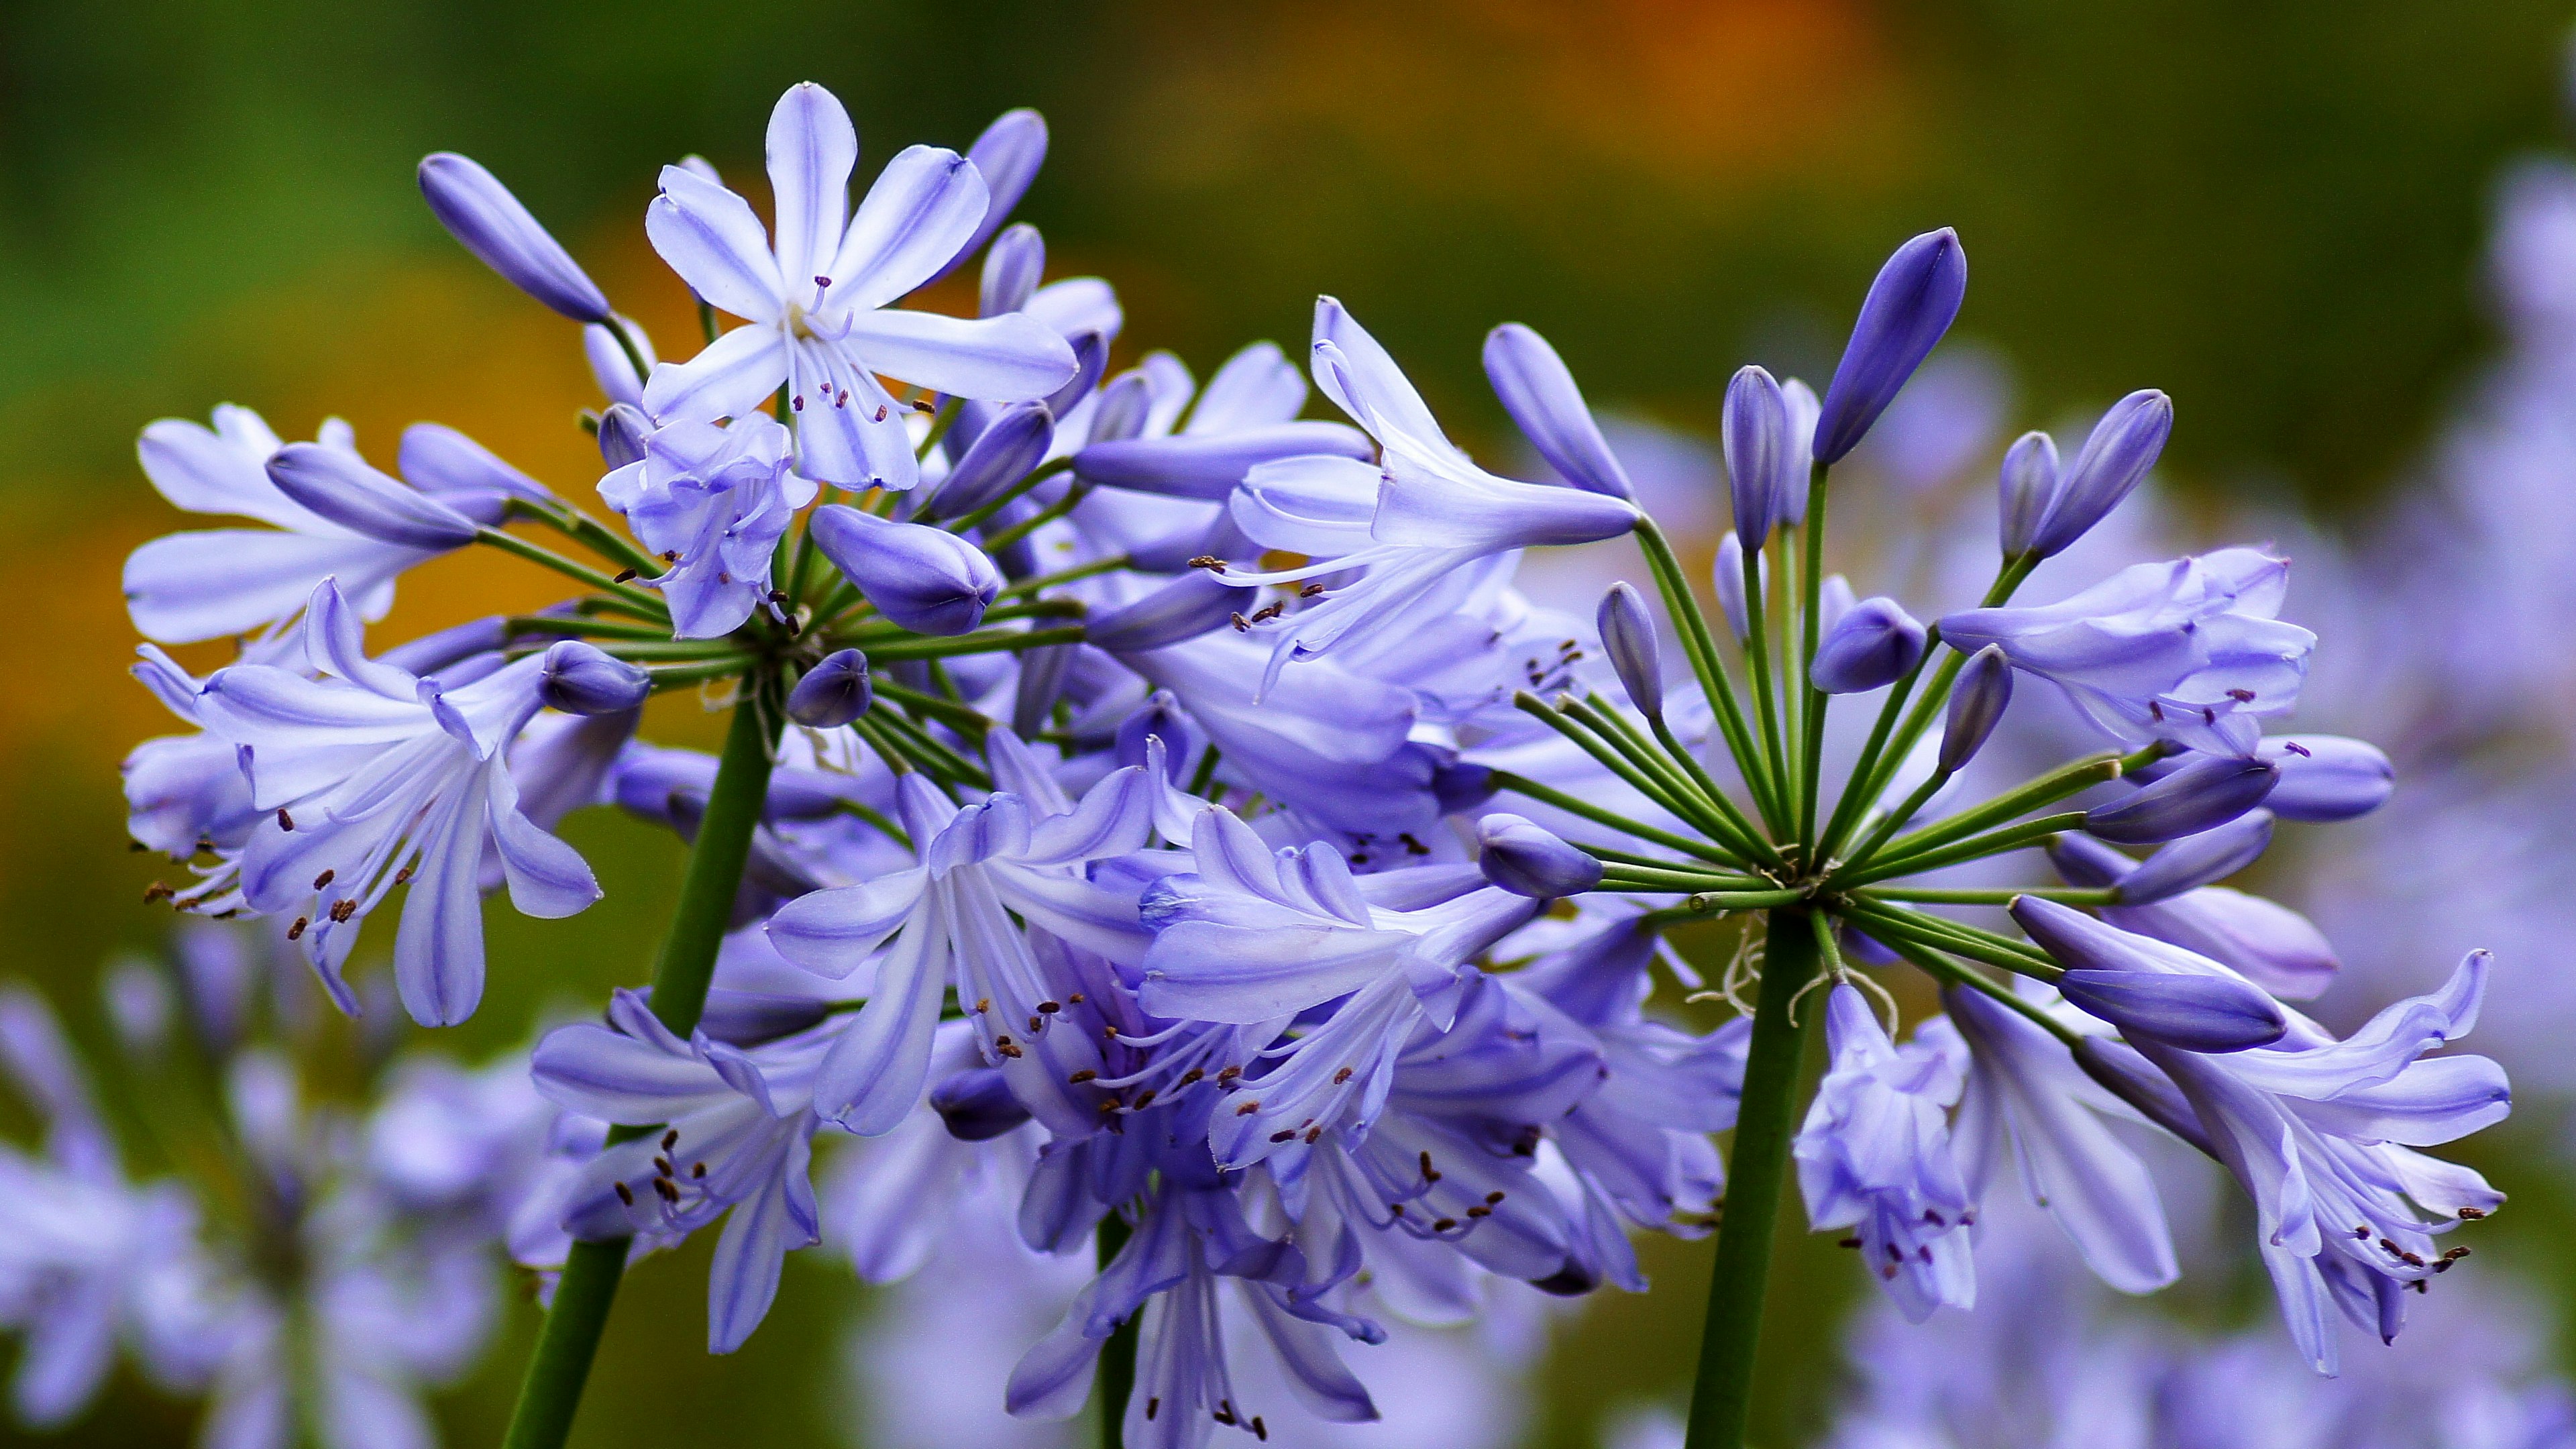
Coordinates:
x,y
742,1280
811,148
1011,358
548,879
1255,387
733,376
589,1069
187,587
831,931
711,238
875,1074
921,211
438,951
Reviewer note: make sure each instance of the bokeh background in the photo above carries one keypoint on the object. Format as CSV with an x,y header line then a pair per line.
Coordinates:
x,y
2275,213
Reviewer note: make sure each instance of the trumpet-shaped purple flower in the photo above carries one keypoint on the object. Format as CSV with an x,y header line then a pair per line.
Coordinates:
x,y
377,777
2321,1134
713,501
817,296
2149,989
2187,651
1875,1155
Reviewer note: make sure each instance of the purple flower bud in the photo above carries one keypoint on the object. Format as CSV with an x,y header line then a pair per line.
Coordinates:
x,y
1909,307
1185,608
1976,706
2029,488
1016,442
2116,456
1012,269
1873,644
2083,861
1728,577
336,485
2327,777
436,458
2119,1070
1091,363
1539,393
1007,155
1755,429
926,579
1834,598
1209,465
2198,860
976,1105
578,678
623,431
832,693
1040,685
480,212
1628,637
2147,988
2208,792
1159,717
1799,462
1125,406
1529,860
610,367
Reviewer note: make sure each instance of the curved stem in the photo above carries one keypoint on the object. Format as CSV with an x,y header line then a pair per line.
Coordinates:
x,y
1756,1171
565,1346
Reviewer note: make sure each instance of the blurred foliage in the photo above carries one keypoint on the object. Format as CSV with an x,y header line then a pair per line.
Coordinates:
x,y
2271,211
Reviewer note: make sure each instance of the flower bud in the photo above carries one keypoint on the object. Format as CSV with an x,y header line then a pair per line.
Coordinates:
x,y
2116,456
1007,156
1529,860
1628,637
2198,860
1209,465
1011,270
1539,392
481,213
1185,608
1090,364
610,367
1911,304
578,678
1800,401
976,1105
2269,944
1006,452
2147,988
1728,576
436,458
2118,1069
1160,717
832,693
1040,685
1834,598
2028,486
1755,430
2208,792
1125,406
623,431
2327,777
926,579
342,488
1873,644
1458,786
1976,706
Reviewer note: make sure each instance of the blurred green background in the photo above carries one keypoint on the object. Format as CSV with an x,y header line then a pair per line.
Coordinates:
x,y
2272,212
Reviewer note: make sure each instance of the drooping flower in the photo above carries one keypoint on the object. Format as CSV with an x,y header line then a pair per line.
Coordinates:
x,y
713,502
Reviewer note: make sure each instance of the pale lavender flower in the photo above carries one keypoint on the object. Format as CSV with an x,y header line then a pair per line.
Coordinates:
x,y
714,501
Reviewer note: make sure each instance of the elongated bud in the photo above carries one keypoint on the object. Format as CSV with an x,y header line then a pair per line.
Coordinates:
x,y
1873,644
1040,686
2206,793
578,678
1628,637
1125,406
1755,428
341,488
1012,269
1800,400
1976,706
834,692
623,430
2119,1070
1006,452
610,367
2198,860
481,213
436,458
1911,304
2083,861
2327,777
1528,859
2116,457
2148,988
2028,486
1539,392
1185,608
1209,465
1728,578
926,579
1007,155
976,1105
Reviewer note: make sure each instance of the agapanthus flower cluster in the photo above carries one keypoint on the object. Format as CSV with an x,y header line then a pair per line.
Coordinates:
x,y
1159,812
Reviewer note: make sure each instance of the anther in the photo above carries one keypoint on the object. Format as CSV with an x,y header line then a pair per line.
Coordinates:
x,y
1050,1008
670,555
623,576
1210,562
1152,1406
1848,1243
662,1165
983,1004
797,403
402,875
670,1139
296,931
1479,1211
1085,1075
158,891
1493,1197
625,1194
1192,1075
697,1169
1075,998
2300,750
284,820
343,908
1286,1136
1341,1076
322,880
2470,1215
1429,1173
1241,624
1228,1074
1247,1109
1442,1225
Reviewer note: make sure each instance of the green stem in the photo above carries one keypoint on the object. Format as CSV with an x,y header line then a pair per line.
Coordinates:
x,y
1756,1174
1117,1378
1812,714
981,642
1065,576
570,1339
1776,763
1506,780
1612,759
1697,642
1931,896
2072,778
511,543
2016,837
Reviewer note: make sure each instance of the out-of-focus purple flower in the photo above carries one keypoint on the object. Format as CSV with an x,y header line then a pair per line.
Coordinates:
x,y
1011,271
2202,795
1183,609
817,298
481,214
2327,777
2198,860
1799,462
1977,704
1530,860
2149,989
1910,305
926,579
2114,460
1755,426
1539,392
1727,577
578,678
1192,464
1873,643
610,367
2187,651
1874,1155
2028,485
1007,155
832,693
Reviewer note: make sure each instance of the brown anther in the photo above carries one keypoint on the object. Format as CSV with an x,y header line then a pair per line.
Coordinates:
x,y
1848,1243
1260,1431
669,1190
983,1004
1429,1173
670,555
2455,1253
697,1169
1285,1136
1413,846
1341,1076
2470,1215
1003,1045
2241,696
623,576
1192,1075
1310,591
402,875
1151,1407
670,1139
284,820
323,879
1227,1074
158,891
662,1165
1493,1197
625,1194
1480,1211
343,908
1075,998
1247,1109
1085,1075
1210,562
1442,1225
296,931
1145,1099
1050,1008
1396,1208
1241,624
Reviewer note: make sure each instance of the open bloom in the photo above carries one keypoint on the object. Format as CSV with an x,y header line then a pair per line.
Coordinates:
x,y
714,502
1875,1155
376,777
817,297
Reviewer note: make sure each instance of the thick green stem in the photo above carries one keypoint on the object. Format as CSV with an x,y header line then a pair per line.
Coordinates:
x,y
1756,1173
552,1390
1117,1379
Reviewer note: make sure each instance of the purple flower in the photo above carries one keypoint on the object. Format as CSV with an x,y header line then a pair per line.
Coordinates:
x,y
2271,945
578,679
1873,644
2202,795
2149,989
1874,1155
832,693
714,501
1911,303
926,579
2327,777
2028,485
1628,637
2115,458
481,214
817,298
2187,651
1539,392
2198,860
1977,704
